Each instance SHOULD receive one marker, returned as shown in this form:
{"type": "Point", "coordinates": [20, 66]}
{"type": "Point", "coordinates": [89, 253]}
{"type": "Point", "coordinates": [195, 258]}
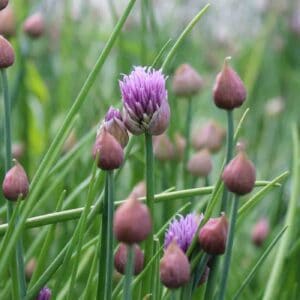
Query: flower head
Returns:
{"type": "Point", "coordinates": [145, 100]}
{"type": "Point", "coordinates": [44, 294]}
{"type": "Point", "coordinates": [182, 230]}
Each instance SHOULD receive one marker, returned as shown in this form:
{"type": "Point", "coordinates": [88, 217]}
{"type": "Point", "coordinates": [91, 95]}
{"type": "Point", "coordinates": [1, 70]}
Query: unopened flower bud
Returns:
{"type": "Point", "coordinates": [34, 25]}
{"type": "Point", "coordinates": [260, 232]}
{"type": "Point", "coordinates": [30, 267]}
{"type": "Point", "coordinates": [7, 22]}
{"type": "Point", "coordinates": [120, 259]}
{"type": "Point", "coordinates": [200, 164]}
{"type": "Point", "coordinates": [114, 124]}
{"type": "Point", "coordinates": [3, 4]}
{"type": "Point", "coordinates": [274, 107]}
{"type": "Point", "coordinates": [213, 235]}
{"type": "Point", "coordinates": [17, 150]}
{"type": "Point", "coordinates": [44, 294]}
{"type": "Point", "coordinates": [15, 183]}
{"type": "Point", "coordinates": [210, 136]}
{"type": "Point", "coordinates": [179, 145]}
{"type": "Point", "coordinates": [7, 54]}
{"type": "Point", "coordinates": [70, 142]}
{"type": "Point", "coordinates": [174, 267]}
{"type": "Point", "coordinates": [108, 151]}
{"type": "Point", "coordinates": [139, 190]}
{"type": "Point", "coordinates": [229, 91]}
{"type": "Point", "coordinates": [239, 175]}
{"type": "Point", "coordinates": [186, 82]}
{"type": "Point", "coordinates": [132, 221]}
{"type": "Point", "coordinates": [163, 148]}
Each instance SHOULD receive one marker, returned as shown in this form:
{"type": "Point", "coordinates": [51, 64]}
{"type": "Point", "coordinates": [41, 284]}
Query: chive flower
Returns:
{"type": "Point", "coordinates": [182, 230]}
{"type": "Point", "coordinates": [145, 101]}
{"type": "Point", "coordinates": [44, 294]}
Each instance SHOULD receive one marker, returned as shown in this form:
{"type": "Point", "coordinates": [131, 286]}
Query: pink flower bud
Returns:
{"type": "Point", "coordinates": [108, 150]}
{"type": "Point", "coordinates": [179, 144]}
{"type": "Point", "coordinates": [186, 82]}
{"type": "Point", "coordinates": [139, 190]}
{"type": "Point", "coordinates": [7, 54]}
{"type": "Point", "coordinates": [120, 259]}
{"type": "Point", "coordinates": [18, 150]}
{"type": "Point", "coordinates": [3, 4]}
{"type": "Point", "coordinates": [132, 221]}
{"type": "Point", "coordinates": [229, 91]}
{"type": "Point", "coordinates": [239, 175]}
{"type": "Point", "coordinates": [213, 235]}
{"type": "Point", "coordinates": [260, 232]}
{"type": "Point", "coordinates": [15, 183]}
{"type": "Point", "coordinates": [174, 267]}
{"type": "Point", "coordinates": [210, 136]}
{"type": "Point", "coordinates": [34, 25]}
{"type": "Point", "coordinates": [163, 148]}
{"type": "Point", "coordinates": [30, 268]}
{"type": "Point", "coordinates": [200, 164]}
{"type": "Point", "coordinates": [7, 22]}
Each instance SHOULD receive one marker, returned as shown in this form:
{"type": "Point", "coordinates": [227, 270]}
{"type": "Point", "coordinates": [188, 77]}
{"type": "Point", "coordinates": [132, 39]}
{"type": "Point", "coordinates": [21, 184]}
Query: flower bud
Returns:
{"type": "Point", "coordinates": [3, 4]}
{"type": "Point", "coordinates": [239, 175]}
{"type": "Point", "coordinates": [163, 148]}
{"type": "Point", "coordinates": [34, 25]}
{"type": "Point", "coordinates": [139, 190]}
{"type": "Point", "coordinates": [30, 267]}
{"type": "Point", "coordinates": [121, 259]}
{"type": "Point", "coordinates": [17, 150]}
{"type": "Point", "coordinates": [179, 145]}
{"type": "Point", "coordinates": [108, 150]}
{"type": "Point", "coordinates": [174, 267]}
{"type": "Point", "coordinates": [210, 136]}
{"type": "Point", "coordinates": [274, 107]}
{"type": "Point", "coordinates": [7, 54]}
{"type": "Point", "coordinates": [213, 235]}
{"type": "Point", "coordinates": [15, 183]}
{"type": "Point", "coordinates": [260, 232]}
{"type": "Point", "coordinates": [200, 164]}
{"type": "Point", "coordinates": [7, 22]}
{"type": "Point", "coordinates": [44, 294]}
{"type": "Point", "coordinates": [70, 142]}
{"type": "Point", "coordinates": [132, 221]}
{"type": "Point", "coordinates": [229, 91]}
{"type": "Point", "coordinates": [114, 124]}
{"type": "Point", "coordinates": [186, 82]}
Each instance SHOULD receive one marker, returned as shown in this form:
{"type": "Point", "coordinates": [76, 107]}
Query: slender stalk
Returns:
{"type": "Point", "coordinates": [143, 32]}
{"type": "Point", "coordinates": [110, 249]}
{"type": "Point", "coordinates": [187, 135]}
{"type": "Point", "coordinates": [229, 245]}
{"type": "Point", "coordinates": [101, 290]}
{"type": "Point", "coordinates": [150, 204]}
{"type": "Point", "coordinates": [128, 273]}
{"type": "Point", "coordinates": [173, 295]}
{"type": "Point", "coordinates": [17, 265]}
{"type": "Point", "coordinates": [230, 140]}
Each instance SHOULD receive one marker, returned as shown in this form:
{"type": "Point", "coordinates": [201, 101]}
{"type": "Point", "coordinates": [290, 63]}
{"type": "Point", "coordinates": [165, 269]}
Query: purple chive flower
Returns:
{"type": "Point", "coordinates": [182, 230]}
{"type": "Point", "coordinates": [44, 294]}
{"type": "Point", "coordinates": [145, 101]}
{"type": "Point", "coordinates": [113, 123]}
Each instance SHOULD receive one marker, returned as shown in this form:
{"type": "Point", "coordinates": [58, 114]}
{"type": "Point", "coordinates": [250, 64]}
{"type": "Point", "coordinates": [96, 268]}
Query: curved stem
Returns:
{"type": "Point", "coordinates": [226, 266]}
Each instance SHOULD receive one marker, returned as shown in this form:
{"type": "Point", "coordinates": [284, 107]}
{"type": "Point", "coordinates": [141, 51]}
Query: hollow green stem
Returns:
{"type": "Point", "coordinates": [128, 272]}
{"type": "Point", "coordinates": [230, 137]}
{"type": "Point", "coordinates": [229, 245]}
{"type": "Point", "coordinates": [187, 135]}
{"type": "Point", "coordinates": [150, 204]}
{"type": "Point", "coordinates": [17, 265]}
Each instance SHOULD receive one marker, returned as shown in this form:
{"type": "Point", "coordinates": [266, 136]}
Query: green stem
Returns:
{"type": "Point", "coordinates": [150, 204]}
{"type": "Point", "coordinates": [17, 265]}
{"type": "Point", "coordinates": [230, 140]}
{"type": "Point", "coordinates": [110, 248]}
{"type": "Point", "coordinates": [229, 245]}
{"type": "Point", "coordinates": [101, 290]}
{"type": "Point", "coordinates": [128, 273]}
{"type": "Point", "coordinates": [143, 31]}
{"type": "Point", "coordinates": [187, 135]}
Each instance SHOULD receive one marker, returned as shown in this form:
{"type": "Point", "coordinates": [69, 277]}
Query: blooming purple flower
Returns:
{"type": "Point", "coordinates": [44, 294]}
{"type": "Point", "coordinates": [145, 101]}
{"type": "Point", "coordinates": [113, 123]}
{"type": "Point", "coordinates": [182, 230]}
